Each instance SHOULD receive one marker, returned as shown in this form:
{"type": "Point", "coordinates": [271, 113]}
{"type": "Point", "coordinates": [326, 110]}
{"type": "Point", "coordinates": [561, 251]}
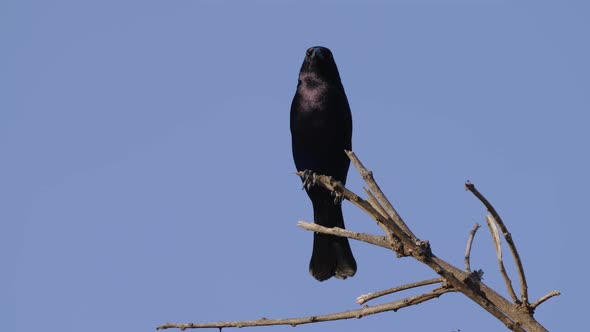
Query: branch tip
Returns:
{"type": "Point", "coordinates": [545, 298]}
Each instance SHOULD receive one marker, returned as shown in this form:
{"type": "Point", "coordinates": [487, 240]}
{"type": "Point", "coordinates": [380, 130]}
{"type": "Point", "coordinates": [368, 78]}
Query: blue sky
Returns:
{"type": "Point", "coordinates": [146, 170]}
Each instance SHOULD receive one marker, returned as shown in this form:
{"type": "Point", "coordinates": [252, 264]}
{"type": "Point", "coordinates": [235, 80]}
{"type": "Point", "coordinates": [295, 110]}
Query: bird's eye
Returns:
{"type": "Point", "coordinates": [309, 51]}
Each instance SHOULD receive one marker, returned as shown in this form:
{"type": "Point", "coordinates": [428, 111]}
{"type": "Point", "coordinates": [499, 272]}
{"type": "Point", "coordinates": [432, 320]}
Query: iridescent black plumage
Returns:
{"type": "Point", "coordinates": [321, 129]}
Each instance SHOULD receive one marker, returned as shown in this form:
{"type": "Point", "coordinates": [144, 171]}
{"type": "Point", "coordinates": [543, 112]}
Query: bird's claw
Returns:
{"type": "Point", "coordinates": [338, 198]}
{"type": "Point", "coordinates": [309, 179]}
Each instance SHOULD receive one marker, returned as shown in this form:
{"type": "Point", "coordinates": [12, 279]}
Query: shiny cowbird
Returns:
{"type": "Point", "coordinates": [321, 129]}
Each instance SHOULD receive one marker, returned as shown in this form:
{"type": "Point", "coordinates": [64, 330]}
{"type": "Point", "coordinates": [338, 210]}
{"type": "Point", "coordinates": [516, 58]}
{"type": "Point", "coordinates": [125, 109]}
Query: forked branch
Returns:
{"type": "Point", "coordinates": [523, 285]}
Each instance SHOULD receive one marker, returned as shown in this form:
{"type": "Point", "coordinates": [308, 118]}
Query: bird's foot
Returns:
{"type": "Point", "coordinates": [338, 198]}
{"type": "Point", "coordinates": [309, 179]}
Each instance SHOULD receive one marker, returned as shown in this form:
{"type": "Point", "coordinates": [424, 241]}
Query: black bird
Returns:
{"type": "Point", "coordinates": [321, 129]}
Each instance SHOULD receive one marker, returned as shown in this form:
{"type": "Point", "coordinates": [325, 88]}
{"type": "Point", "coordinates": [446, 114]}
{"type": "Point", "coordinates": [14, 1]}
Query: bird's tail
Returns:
{"type": "Point", "coordinates": [331, 254]}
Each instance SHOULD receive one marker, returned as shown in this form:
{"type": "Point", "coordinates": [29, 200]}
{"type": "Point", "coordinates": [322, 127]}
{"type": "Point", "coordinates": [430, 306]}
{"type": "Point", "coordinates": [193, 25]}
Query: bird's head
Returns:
{"type": "Point", "coordinates": [319, 60]}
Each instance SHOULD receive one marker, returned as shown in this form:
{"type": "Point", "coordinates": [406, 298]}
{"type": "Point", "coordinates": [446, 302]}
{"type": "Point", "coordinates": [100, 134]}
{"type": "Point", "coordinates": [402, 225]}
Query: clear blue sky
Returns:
{"type": "Point", "coordinates": [146, 172]}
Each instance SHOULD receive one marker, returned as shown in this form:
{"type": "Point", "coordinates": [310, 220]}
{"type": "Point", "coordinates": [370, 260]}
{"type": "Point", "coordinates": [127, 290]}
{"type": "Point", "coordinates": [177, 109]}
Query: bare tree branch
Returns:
{"type": "Point", "coordinates": [371, 296]}
{"type": "Point", "coordinates": [399, 238]}
{"type": "Point", "coordinates": [498, 245]}
{"type": "Point", "coordinates": [472, 287]}
{"type": "Point", "coordinates": [523, 284]}
{"type": "Point", "coordinates": [380, 241]}
{"type": "Point", "coordinates": [359, 313]}
{"type": "Point", "coordinates": [467, 283]}
{"type": "Point", "coordinates": [468, 248]}
{"type": "Point", "coordinates": [513, 317]}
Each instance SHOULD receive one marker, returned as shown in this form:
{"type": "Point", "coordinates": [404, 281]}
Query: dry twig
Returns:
{"type": "Point", "coordinates": [544, 298]}
{"type": "Point", "coordinates": [468, 248]}
{"type": "Point", "coordinates": [359, 313]}
{"type": "Point", "coordinates": [380, 241]}
{"type": "Point", "coordinates": [498, 246]}
{"type": "Point", "coordinates": [371, 296]}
